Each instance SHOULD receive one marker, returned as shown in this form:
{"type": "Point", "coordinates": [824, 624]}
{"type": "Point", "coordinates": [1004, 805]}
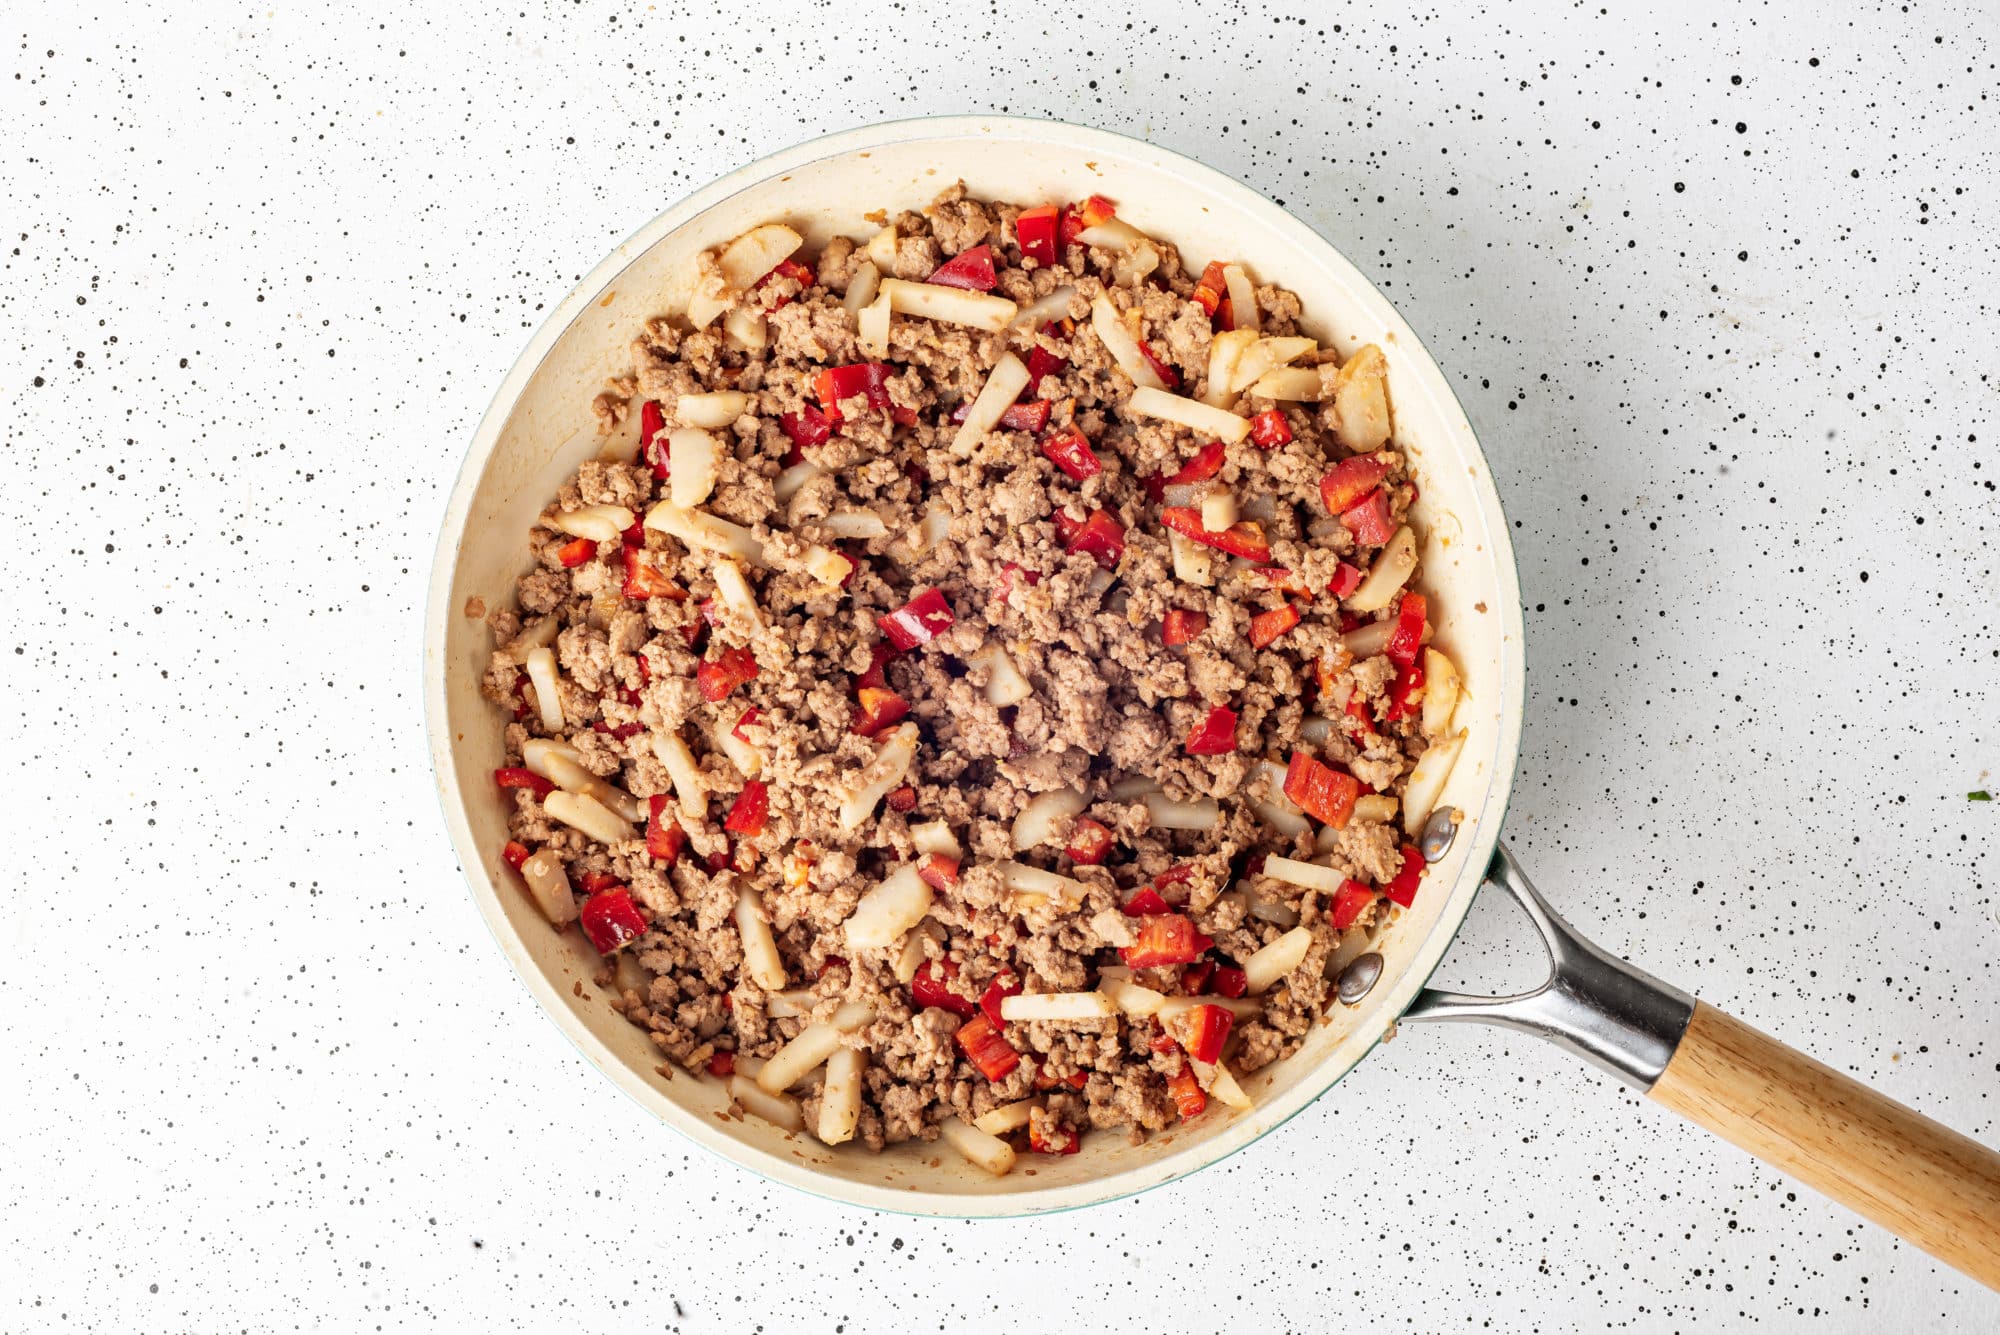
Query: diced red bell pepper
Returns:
{"type": "Point", "coordinates": [1046, 1135]}
{"type": "Point", "coordinates": [970, 269]}
{"type": "Point", "coordinates": [1167, 374]}
{"type": "Point", "coordinates": [1345, 580]}
{"type": "Point", "coordinates": [1368, 519]}
{"type": "Point", "coordinates": [1356, 710]}
{"type": "Point", "coordinates": [664, 837]}
{"type": "Point", "coordinates": [1284, 580]}
{"type": "Point", "coordinates": [1165, 938]}
{"type": "Point", "coordinates": [643, 579]}
{"type": "Point", "coordinates": [1402, 889]}
{"type": "Point", "coordinates": [1212, 289]}
{"type": "Point", "coordinates": [1406, 695]}
{"type": "Point", "coordinates": [1205, 464]}
{"type": "Point", "coordinates": [575, 553]}
{"type": "Point", "coordinates": [1070, 451]}
{"type": "Point", "coordinates": [1182, 627]}
{"type": "Point", "coordinates": [919, 621]}
{"type": "Point", "coordinates": [1202, 1031]}
{"type": "Point", "coordinates": [514, 854]}
{"type": "Point", "coordinates": [720, 675]}
{"type": "Point", "coordinates": [829, 964]}
{"type": "Point", "coordinates": [1069, 227]}
{"type": "Point", "coordinates": [869, 380]}
{"type": "Point", "coordinates": [1147, 904]}
{"type": "Point", "coordinates": [722, 1064]}
{"type": "Point", "coordinates": [1030, 416]}
{"type": "Point", "coordinates": [793, 270]}
{"type": "Point", "coordinates": [1270, 429]}
{"type": "Point", "coordinates": [594, 881]}
{"type": "Point", "coordinates": [1321, 791]}
{"type": "Point", "coordinates": [1003, 584]}
{"type": "Point", "coordinates": [718, 862]}
{"type": "Point", "coordinates": [1096, 211]}
{"type": "Point", "coordinates": [1161, 1041]}
{"type": "Point", "coordinates": [1099, 535]}
{"type": "Point", "coordinates": [984, 1046]}
{"type": "Point", "coordinates": [901, 799]}
{"type": "Point", "coordinates": [652, 423]}
{"type": "Point", "coordinates": [1003, 986]}
{"type": "Point", "coordinates": [1156, 487]}
{"type": "Point", "coordinates": [1195, 977]}
{"type": "Point", "coordinates": [1214, 735]}
{"type": "Point", "coordinates": [1407, 640]}
{"type": "Point", "coordinates": [807, 427]}
{"type": "Point", "coordinates": [1045, 1081]}
{"type": "Point", "coordinates": [515, 777]}
{"type": "Point", "coordinates": [1175, 875]}
{"type": "Point", "coordinates": [749, 718]}
{"type": "Point", "coordinates": [876, 675]}
{"type": "Point", "coordinates": [1351, 481]}
{"type": "Point", "coordinates": [1244, 538]}
{"type": "Point", "coordinates": [1041, 363]}
{"type": "Point", "coordinates": [1187, 1093]}
{"type": "Point", "coordinates": [623, 732]}
{"type": "Point", "coordinates": [1348, 903]}
{"type": "Point", "coordinates": [879, 709]}
{"type": "Point", "coordinates": [1089, 843]}
{"type": "Point", "coordinates": [1229, 982]}
{"type": "Point", "coordinates": [610, 919]}
{"type": "Point", "coordinates": [932, 987]}
{"type": "Point", "coordinates": [635, 533]}
{"type": "Point", "coordinates": [938, 870]}
{"type": "Point", "coordinates": [1266, 627]}
{"type": "Point", "coordinates": [751, 810]}
{"type": "Point", "coordinates": [1035, 229]}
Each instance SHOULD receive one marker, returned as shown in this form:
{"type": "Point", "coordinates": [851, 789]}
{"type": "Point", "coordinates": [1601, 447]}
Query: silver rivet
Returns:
{"type": "Point", "coordinates": [1359, 976]}
{"type": "Point", "coordinates": [1439, 831]}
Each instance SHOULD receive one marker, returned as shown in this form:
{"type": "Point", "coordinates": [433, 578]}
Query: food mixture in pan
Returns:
{"type": "Point", "coordinates": [979, 690]}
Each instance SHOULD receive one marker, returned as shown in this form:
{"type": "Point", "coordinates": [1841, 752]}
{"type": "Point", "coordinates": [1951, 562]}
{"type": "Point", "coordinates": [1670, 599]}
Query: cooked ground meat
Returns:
{"type": "Point", "coordinates": [734, 703]}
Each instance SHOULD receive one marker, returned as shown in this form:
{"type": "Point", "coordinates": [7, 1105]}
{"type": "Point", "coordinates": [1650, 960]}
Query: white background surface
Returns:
{"type": "Point", "coordinates": [263, 266]}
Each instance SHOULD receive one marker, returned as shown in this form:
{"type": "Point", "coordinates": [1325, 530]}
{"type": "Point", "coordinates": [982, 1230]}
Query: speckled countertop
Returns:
{"type": "Point", "coordinates": [1717, 288]}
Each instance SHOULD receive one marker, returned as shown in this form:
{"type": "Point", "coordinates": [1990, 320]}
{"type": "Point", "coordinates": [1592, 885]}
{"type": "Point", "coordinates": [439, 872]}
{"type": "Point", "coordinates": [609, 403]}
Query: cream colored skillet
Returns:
{"type": "Point", "coordinates": [1934, 1187]}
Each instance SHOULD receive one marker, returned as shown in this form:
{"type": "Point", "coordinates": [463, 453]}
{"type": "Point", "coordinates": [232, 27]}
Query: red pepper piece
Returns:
{"type": "Point", "coordinates": [1205, 464]}
{"type": "Point", "coordinates": [1003, 585]}
{"type": "Point", "coordinates": [1048, 1136]}
{"type": "Point", "coordinates": [1321, 791]}
{"type": "Point", "coordinates": [807, 427]}
{"type": "Point", "coordinates": [1266, 627]}
{"type": "Point", "coordinates": [1202, 1030]}
{"type": "Point", "coordinates": [1035, 229]}
{"type": "Point", "coordinates": [902, 799]}
{"type": "Point", "coordinates": [793, 270]}
{"type": "Point", "coordinates": [575, 553]}
{"type": "Point", "coordinates": [881, 652]}
{"type": "Point", "coordinates": [1244, 538]}
{"type": "Point", "coordinates": [515, 777]}
{"type": "Point", "coordinates": [1165, 938]}
{"type": "Point", "coordinates": [919, 621]}
{"type": "Point", "coordinates": [1041, 363]}
{"type": "Point", "coordinates": [634, 536]}
{"type": "Point", "coordinates": [1403, 888]}
{"type": "Point", "coordinates": [514, 854]}
{"type": "Point", "coordinates": [1187, 1093]}
{"type": "Point", "coordinates": [981, 1042]}
{"type": "Point", "coordinates": [1270, 429]}
{"type": "Point", "coordinates": [1406, 695]}
{"type": "Point", "coordinates": [1176, 875]}
{"type": "Point", "coordinates": [1407, 640]}
{"type": "Point", "coordinates": [622, 732]}
{"type": "Point", "coordinates": [1284, 581]}
{"type": "Point", "coordinates": [970, 269]}
{"type": "Point", "coordinates": [720, 675]}
{"type": "Point", "coordinates": [1070, 451]}
{"type": "Point", "coordinates": [664, 838]}
{"type": "Point", "coordinates": [722, 1065]}
{"type": "Point", "coordinates": [1368, 519]}
{"type": "Point", "coordinates": [1351, 481]}
{"type": "Point", "coordinates": [652, 424]}
{"type": "Point", "coordinates": [1212, 290]}
{"type": "Point", "coordinates": [1357, 711]}
{"type": "Point", "coordinates": [829, 964]}
{"type": "Point", "coordinates": [610, 919]}
{"type": "Point", "coordinates": [1214, 735]}
{"type": "Point", "coordinates": [1030, 416]}
{"type": "Point", "coordinates": [1182, 627]}
{"type": "Point", "coordinates": [932, 987]}
{"type": "Point", "coordinates": [1349, 902]}
{"type": "Point", "coordinates": [1003, 986]}
{"type": "Point", "coordinates": [1229, 982]}
{"type": "Point", "coordinates": [879, 709]}
{"type": "Point", "coordinates": [938, 871]}
{"type": "Point", "coordinates": [752, 809]}
{"type": "Point", "coordinates": [1089, 843]}
{"type": "Point", "coordinates": [1167, 374]}
{"type": "Point", "coordinates": [1069, 227]}
{"type": "Point", "coordinates": [1098, 535]}
{"type": "Point", "coordinates": [869, 380]}
{"type": "Point", "coordinates": [1195, 977]}
{"type": "Point", "coordinates": [749, 718]}
{"type": "Point", "coordinates": [1147, 904]}
{"type": "Point", "coordinates": [643, 579]}
{"type": "Point", "coordinates": [1045, 1081]}
{"type": "Point", "coordinates": [593, 881]}
{"type": "Point", "coordinates": [1096, 211]}
{"type": "Point", "coordinates": [1345, 580]}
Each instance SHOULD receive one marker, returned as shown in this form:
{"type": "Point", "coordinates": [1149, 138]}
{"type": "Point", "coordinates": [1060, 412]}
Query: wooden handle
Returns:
{"type": "Point", "coordinates": [1923, 1182]}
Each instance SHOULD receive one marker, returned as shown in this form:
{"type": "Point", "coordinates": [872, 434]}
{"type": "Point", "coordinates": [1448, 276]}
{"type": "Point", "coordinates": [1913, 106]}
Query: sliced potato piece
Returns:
{"type": "Point", "coordinates": [1289, 384]}
{"type": "Point", "coordinates": [1426, 784]}
{"type": "Point", "coordinates": [993, 1154]}
{"type": "Point", "coordinates": [588, 815]}
{"type": "Point", "coordinates": [760, 949]}
{"type": "Point", "coordinates": [1386, 578]}
{"type": "Point", "coordinates": [1201, 417]}
{"type": "Point", "coordinates": [1122, 344]}
{"type": "Point", "coordinates": [896, 904]}
{"type": "Point", "coordinates": [872, 326]}
{"type": "Point", "coordinates": [1225, 354]}
{"type": "Point", "coordinates": [891, 763]}
{"type": "Point", "coordinates": [1058, 1006]}
{"type": "Point", "coordinates": [746, 260]}
{"type": "Point", "coordinates": [861, 287]}
{"type": "Point", "coordinates": [599, 523]}
{"type": "Point", "coordinates": [695, 457]}
{"type": "Point", "coordinates": [707, 533]}
{"type": "Point", "coordinates": [1361, 401]}
{"type": "Point", "coordinates": [1242, 298]}
{"type": "Point", "coordinates": [548, 886]}
{"type": "Point", "coordinates": [1055, 306]}
{"type": "Point", "coordinates": [1311, 875]}
{"type": "Point", "coordinates": [780, 1110]}
{"type": "Point", "coordinates": [1267, 355]}
{"type": "Point", "coordinates": [840, 1096]}
{"type": "Point", "coordinates": [1040, 814]}
{"type": "Point", "coordinates": [1441, 690]}
{"type": "Point", "coordinates": [1129, 996]}
{"type": "Point", "coordinates": [1279, 958]}
{"type": "Point", "coordinates": [690, 789]}
{"type": "Point", "coordinates": [952, 305]}
{"type": "Point", "coordinates": [746, 328]}
{"type": "Point", "coordinates": [541, 668]}
{"type": "Point", "coordinates": [1007, 1117]}
{"type": "Point", "coordinates": [714, 410]}
{"type": "Point", "coordinates": [1004, 384]}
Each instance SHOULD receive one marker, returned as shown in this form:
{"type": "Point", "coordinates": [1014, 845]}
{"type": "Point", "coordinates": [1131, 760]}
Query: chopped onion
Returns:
{"type": "Point", "coordinates": [1326, 840]}
{"type": "Point", "coordinates": [1035, 887]}
{"type": "Point", "coordinates": [881, 249]}
{"type": "Point", "coordinates": [690, 789]}
{"type": "Point", "coordinates": [1292, 384]}
{"type": "Point", "coordinates": [780, 1110]}
{"type": "Point", "coordinates": [1442, 686]}
{"type": "Point", "coordinates": [1003, 385]}
{"type": "Point", "coordinates": [1426, 783]}
{"type": "Point", "coordinates": [1059, 1006]}
{"type": "Point", "coordinates": [861, 288]}
{"type": "Point", "coordinates": [952, 305]}
{"type": "Point", "coordinates": [548, 885]}
{"type": "Point", "coordinates": [1223, 1085]}
{"type": "Point", "coordinates": [734, 592]}
{"type": "Point", "coordinates": [749, 257]}
{"type": "Point", "coordinates": [896, 904]}
{"type": "Point", "coordinates": [1386, 578]}
{"type": "Point", "coordinates": [1200, 814]}
{"type": "Point", "coordinates": [706, 532]}
{"type": "Point", "coordinates": [1122, 345]}
{"type": "Point", "coordinates": [1192, 563]}
{"type": "Point", "coordinates": [1112, 234]}
{"type": "Point", "coordinates": [746, 328]}
{"type": "Point", "coordinates": [760, 949]}
{"type": "Point", "coordinates": [1200, 417]}
{"type": "Point", "coordinates": [862, 524]}
{"type": "Point", "coordinates": [1308, 874]}
{"type": "Point", "coordinates": [1279, 958]}
{"type": "Point", "coordinates": [872, 326]}
{"type": "Point", "coordinates": [717, 409]}
{"type": "Point", "coordinates": [541, 666]}
{"type": "Point", "coordinates": [1131, 268]}
{"type": "Point", "coordinates": [621, 443]}
{"type": "Point", "coordinates": [1316, 729]}
{"type": "Point", "coordinates": [1242, 298]}
{"type": "Point", "coordinates": [1369, 640]}
{"type": "Point", "coordinates": [993, 1154]}
{"type": "Point", "coordinates": [1133, 786]}
{"type": "Point", "coordinates": [696, 462]}
{"type": "Point", "coordinates": [588, 815]}
{"type": "Point", "coordinates": [1353, 942]}
{"type": "Point", "coordinates": [1267, 355]}
{"type": "Point", "coordinates": [1225, 353]}
{"type": "Point", "coordinates": [1004, 683]}
{"type": "Point", "coordinates": [1042, 813]}
{"type": "Point", "coordinates": [884, 772]}
{"type": "Point", "coordinates": [935, 837]}
{"type": "Point", "coordinates": [840, 1096]}
{"type": "Point", "coordinates": [1273, 911]}
{"type": "Point", "coordinates": [599, 523]}
{"type": "Point", "coordinates": [1007, 1117]}
{"type": "Point", "coordinates": [786, 485]}
{"type": "Point", "coordinates": [1374, 808]}
{"type": "Point", "coordinates": [540, 631]}
{"type": "Point", "coordinates": [1130, 997]}
{"type": "Point", "coordinates": [1055, 306]}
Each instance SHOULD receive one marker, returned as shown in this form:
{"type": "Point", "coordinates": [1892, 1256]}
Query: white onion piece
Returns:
{"type": "Point", "coordinates": [760, 949]}
{"type": "Point", "coordinates": [1192, 563]}
{"type": "Point", "coordinates": [872, 327]}
{"type": "Point", "coordinates": [1279, 958]}
{"type": "Point", "coordinates": [621, 443]}
{"type": "Point", "coordinates": [541, 666]}
{"type": "Point", "coordinates": [1317, 729]}
{"type": "Point", "coordinates": [933, 528]}
{"type": "Point", "coordinates": [780, 1110]}
{"type": "Point", "coordinates": [1007, 1117]}
{"type": "Point", "coordinates": [1218, 509]}
{"type": "Point", "coordinates": [1055, 306]}
{"type": "Point", "coordinates": [1223, 1085]}
{"type": "Point", "coordinates": [934, 837]}
{"type": "Point", "coordinates": [1003, 385]}
{"type": "Point", "coordinates": [1225, 353]}
{"type": "Point", "coordinates": [1112, 234]}
{"type": "Point", "coordinates": [991, 1153]}
{"type": "Point", "coordinates": [749, 761]}
{"type": "Point", "coordinates": [1036, 824]}
{"type": "Point", "coordinates": [861, 288]}
{"type": "Point", "coordinates": [881, 249]}
{"type": "Point", "coordinates": [1386, 578]}
{"type": "Point", "coordinates": [884, 772]}
{"type": "Point", "coordinates": [588, 815]}
{"type": "Point", "coordinates": [1308, 874]}
{"type": "Point", "coordinates": [1122, 344]}
{"type": "Point", "coordinates": [1129, 996]}
{"type": "Point", "coordinates": [1442, 685]}
{"type": "Point", "coordinates": [696, 459]}
{"type": "Point", "coordinates": [1133, 786]}
{"type": "Point", "coordinates": [1267, 355]}
{"type": "Point", "coordinates": [789, 1005]}
{"type": "Point", "coordinates": [1034, 887]}
{"type": "Point", "coordinates": [1291, 384]}
{"type": "Point", "coordinates": [749, 257]}
{"type": "Point", "coordinates": [1200, 814]}
{"type": "Point", "coordinates": [1273, 911]}
{"type": "Point", "coordinates": [599, 523]}
{"type": "Point", "coordinates": [734, 593]}
{"type": "Point", "coordinates": [1426, 783]}
{"type": "Point", "coordinates": [690, 789]}
{"type": "Point", "coordinates": [911, 957]}
{"type": "Point", "coordinates": [952, 305]}
{"type": "Point", "coordinates": [840, 1096]}
{"type": "Point", "coordinates": [717, 409]}
{"type": "Point", "coordinates": [1004, 683]}
{"type": "Point", "coordinates": [708, 533]}
{"type": "Point", "coordinates": [1242, 298]}
{"type": "Point", "coordinates": [540, 631]}
{"type": "Point", "coordinates": [1131, 268]}
{"type": "Point", "coordinates": [1058, 1006]}
{"type": "Point", "coordinates": [746, 328]}
{"type": "Point", "coordinates": [862, 524]}
{"type": "Point", "coordinates": [1374, 808]}
{"type": "Point", "coordinates": [1326, 840]}
{"type": "Point", "coordinates": [896, 904]}
{"type": "Point", "coordinates": [1288, 822]}
{"type": "Point", "coordinates": [1201, 417]}
{"type": "Point", "coordinates": [786, 485]}
{"type": "Point", "coordinates": [1367, 641]}
{"type": "Point", "coordinates": [548, 886]}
